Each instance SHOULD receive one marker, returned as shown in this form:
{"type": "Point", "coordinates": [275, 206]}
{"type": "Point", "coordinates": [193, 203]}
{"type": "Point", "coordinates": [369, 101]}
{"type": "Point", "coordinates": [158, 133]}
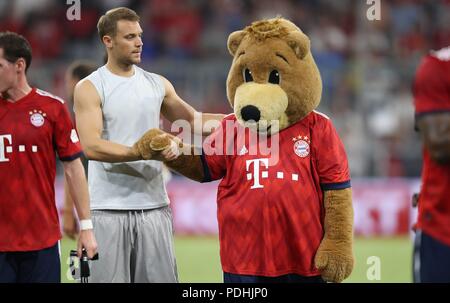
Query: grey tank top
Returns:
{"type": "Point", "coordinates": [130, 106]}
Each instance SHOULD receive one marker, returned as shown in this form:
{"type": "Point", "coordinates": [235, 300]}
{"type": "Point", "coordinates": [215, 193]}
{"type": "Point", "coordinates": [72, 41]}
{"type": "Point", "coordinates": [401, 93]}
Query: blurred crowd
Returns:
{"type": "Point", "coordinates": [367, 66]}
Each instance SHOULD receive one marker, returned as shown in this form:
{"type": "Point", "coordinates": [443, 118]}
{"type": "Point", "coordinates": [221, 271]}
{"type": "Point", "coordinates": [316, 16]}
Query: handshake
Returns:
{"type": "Point", "coordinates": [158, 145]}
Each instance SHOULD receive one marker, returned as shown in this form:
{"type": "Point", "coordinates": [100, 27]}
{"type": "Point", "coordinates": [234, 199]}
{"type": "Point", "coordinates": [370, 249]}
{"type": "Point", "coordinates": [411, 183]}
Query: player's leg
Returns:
{"type": "Point", "coordinates": [8, 267]}
{"type": "Point", "coordinates": [434, 264]}
{"type": "Point", "coordinates": [289, 278]}
{"type": "Point", "coordinates": [294, 278]}
{"type": "Point", "coordinates": [155, 257]}
{"type": "Point", "coordinates": [112, 231]}
{"type": "Point", "coordinates": [235, 278]}
{"type": "Point", "coordinates": [40, 266]}
{"type": "Point", "coordinates": [416, 256]}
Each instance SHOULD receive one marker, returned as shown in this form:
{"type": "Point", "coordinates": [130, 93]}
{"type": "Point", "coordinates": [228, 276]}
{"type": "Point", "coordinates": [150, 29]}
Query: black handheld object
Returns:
{"type": "Point", "coordinates": [415, 200]}
{"type": "Point", "coordinates": [84, 265]}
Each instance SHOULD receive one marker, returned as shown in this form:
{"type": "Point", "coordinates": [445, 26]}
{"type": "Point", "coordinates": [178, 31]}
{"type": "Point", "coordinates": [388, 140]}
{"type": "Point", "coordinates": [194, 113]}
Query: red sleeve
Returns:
{"type": "Point", "coordinates": [65, 136]}
{"type": "Point", "coordinates": [332, 164]}
{"type": "Point", "coordinates": [432, 86]}
{"type": "Point", "coordinates": [213, 155]}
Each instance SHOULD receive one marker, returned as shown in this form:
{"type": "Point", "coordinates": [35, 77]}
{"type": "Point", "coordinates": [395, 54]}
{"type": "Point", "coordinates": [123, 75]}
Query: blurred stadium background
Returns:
{"type": "Point", "coordinates": [367, 69]}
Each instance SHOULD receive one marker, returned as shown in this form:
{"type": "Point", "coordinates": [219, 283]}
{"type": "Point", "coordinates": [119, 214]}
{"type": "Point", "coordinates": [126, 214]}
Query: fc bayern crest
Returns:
{"type": "Point", "coordinates": [301, 148]}
{"type": "Point", "coordinates": [37, 118]}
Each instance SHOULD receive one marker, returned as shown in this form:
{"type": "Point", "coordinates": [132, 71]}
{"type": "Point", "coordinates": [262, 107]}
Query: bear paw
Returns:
{"type": "Point", "coordinates": [334, 260]}
{"type": "Point", "coordinates": [153, 142]}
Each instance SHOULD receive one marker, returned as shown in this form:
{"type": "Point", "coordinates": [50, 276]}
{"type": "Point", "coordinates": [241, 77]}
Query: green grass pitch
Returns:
{"type": "Point", "coordinates": [198, 259]}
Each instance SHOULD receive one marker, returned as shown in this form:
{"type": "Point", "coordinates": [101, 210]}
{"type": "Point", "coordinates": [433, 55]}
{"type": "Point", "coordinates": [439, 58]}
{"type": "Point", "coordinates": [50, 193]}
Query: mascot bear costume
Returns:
{"type": "Point", "coordinates": [284, 211]}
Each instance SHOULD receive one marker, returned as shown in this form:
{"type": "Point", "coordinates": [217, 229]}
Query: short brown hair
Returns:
{"type": "Point", "coordinates": [81, 69]}
{"type": "Point", "coordinates": [107, 24]}
{"type": "Point", "coordinates": [15, 47]}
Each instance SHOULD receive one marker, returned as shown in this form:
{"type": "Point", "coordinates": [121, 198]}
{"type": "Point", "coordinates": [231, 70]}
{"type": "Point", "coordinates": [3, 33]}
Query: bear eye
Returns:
{"type": "Point", "coordinates": [274, 77]}
{"type": "Point", "coordinates": [248, 75]}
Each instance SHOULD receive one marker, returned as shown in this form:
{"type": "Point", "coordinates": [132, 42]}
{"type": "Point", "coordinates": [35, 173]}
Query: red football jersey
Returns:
{"type": "Point", "coordinates": [270, 204]}
{"type": "Point", "coordinates": [432, 95]}
{"type": "Point", "coordinates": [32, 130]}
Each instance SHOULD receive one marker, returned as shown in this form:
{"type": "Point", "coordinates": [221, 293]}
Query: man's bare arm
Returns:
{"type": "Point", "coordinates": [435, 130]}
{"type": "Point", "coordinates": [174, 108]}
{"type": "Point", "coordinates": [89, 120]}
{"type": "Point", "coordinates": [77, 185]}
{"type": "Point", "coordinates": [70, 225]}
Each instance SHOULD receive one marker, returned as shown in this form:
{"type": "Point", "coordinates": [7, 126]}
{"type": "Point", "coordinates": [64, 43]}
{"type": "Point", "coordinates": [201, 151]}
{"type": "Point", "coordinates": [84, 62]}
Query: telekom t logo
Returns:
{"type": "Point", "coordinates": [255, 175]}
{"type": "Point", "coordinates": [9, 148]}
{"type": "Point", "coordinates": [2, 147]}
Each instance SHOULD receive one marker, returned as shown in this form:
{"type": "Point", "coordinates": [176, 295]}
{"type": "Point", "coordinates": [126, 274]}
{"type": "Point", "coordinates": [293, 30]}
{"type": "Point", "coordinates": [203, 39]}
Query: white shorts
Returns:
{"type": "Point", "coordinates": [134, 246]}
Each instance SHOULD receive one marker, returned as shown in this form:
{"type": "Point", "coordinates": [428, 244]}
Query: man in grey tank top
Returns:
{"type": "Point", "coordinates": [114, 107]}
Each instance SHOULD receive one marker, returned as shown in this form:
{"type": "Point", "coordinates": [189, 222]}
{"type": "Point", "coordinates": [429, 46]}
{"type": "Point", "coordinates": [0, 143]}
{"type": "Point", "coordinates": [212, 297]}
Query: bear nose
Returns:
{"type": "Point", "coordinates": [250, 112]}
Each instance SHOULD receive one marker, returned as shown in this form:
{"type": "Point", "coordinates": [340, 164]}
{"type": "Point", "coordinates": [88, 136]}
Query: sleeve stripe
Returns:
{"type": "Point", "coordinates": [427, 113]}
{"type": "Point", "coordinates": [72, 157]}
{"type": "Point", "coordinates": [47, 94]}
{"type": "Point", "coordinates": [431, 112]}
{"type": "Point", "coordinates": [338, 185]}
{"type": "Point", "coordinates": [206, 172]}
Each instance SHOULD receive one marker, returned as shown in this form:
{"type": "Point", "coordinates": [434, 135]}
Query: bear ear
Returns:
{"type": "Point", "coordinates": [234, 40]}
{"type": "Point", "coordinates": [299, 42]}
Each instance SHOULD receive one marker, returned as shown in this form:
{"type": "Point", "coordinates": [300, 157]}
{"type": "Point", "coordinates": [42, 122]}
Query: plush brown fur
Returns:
{"type": "Point", "coordinates": [153, 142]}
{"type": "Point", "coordinates": [334, 259]}
{"type": "Point", "coordinates": [188, 163]}
{"type": "Point", "coordinates": [259, 47]}
{"type": "Point", "coordinates": [276, 44]}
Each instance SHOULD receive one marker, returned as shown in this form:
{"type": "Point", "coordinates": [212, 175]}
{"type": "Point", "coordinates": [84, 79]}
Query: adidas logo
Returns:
{"type": "Point", "coordinates": [243, 151]}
